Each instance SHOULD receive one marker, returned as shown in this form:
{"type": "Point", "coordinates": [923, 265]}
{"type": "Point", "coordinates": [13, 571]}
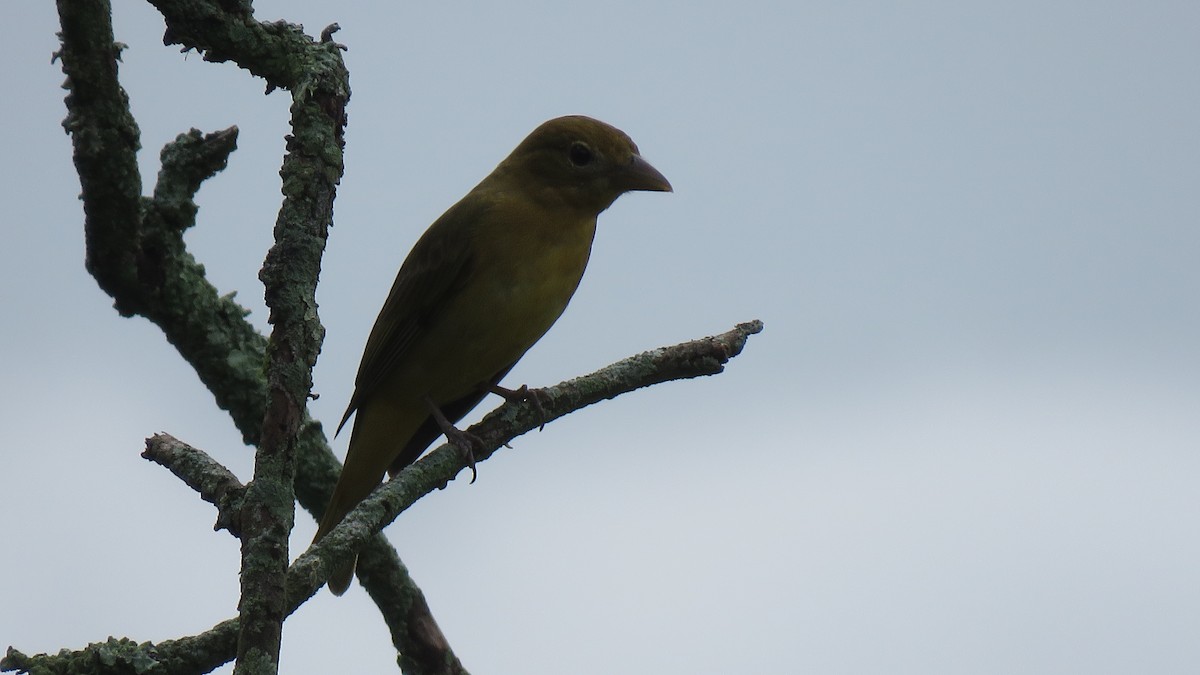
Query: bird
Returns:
{"type": "Point", "coordinates": [478, 289]}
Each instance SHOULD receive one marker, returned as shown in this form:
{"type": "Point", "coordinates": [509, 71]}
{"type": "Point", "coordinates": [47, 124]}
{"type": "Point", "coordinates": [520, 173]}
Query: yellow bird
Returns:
{"type": "Point", "coordinates": [483, 284]}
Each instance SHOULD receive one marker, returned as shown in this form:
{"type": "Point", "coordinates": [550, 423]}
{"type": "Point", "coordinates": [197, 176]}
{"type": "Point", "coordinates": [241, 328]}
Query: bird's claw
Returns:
{"type": "Point", "coordinates": [464, 441]}
{"type": "Point", "coordinates": [466, 444]}
{"type": "Point", "coordinates": [521, 394]}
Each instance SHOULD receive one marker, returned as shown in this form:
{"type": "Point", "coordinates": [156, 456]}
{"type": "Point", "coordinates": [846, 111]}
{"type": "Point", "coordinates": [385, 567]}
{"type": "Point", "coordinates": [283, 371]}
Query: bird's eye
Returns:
{"type": "Point", "coordinates": [580, 154]}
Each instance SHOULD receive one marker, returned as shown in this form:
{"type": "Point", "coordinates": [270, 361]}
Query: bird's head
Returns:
{"type": "Point", "coordinates": [580, 162]}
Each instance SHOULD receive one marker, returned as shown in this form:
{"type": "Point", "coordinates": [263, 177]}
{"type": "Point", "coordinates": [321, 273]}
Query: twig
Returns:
{"type": "Point", "coordinates": [216, 484]}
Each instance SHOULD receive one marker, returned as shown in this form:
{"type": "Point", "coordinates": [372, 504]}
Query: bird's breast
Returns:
{"type": "Point", "coordinates": [522, 277]}
{"type": "Point", "coordinates": [528, 274]}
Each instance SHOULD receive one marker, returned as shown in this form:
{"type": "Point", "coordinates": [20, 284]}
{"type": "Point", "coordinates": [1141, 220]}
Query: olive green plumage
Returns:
{"type": "Point", "coordinates": [484, 283]}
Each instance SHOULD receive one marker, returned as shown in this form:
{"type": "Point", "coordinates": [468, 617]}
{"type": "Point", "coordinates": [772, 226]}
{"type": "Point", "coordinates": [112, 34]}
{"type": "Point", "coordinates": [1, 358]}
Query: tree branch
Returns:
{"type": "Point", "coordinates": [216, 484]}
{"type": "Point", "coordinates": [106, 140]}
{"type": "Point", "coordinates": [311, 170]}
{"type": "Point", "coordinates": [706, 356]}
{"type": "Point", "coordinates": [697, 358]}
{"type": "Point", "coordinates": [135, 250]}
{"type": "Point", "coordinates": [279, 52]}
{"type": "Point", "coordinates": [413, 623]}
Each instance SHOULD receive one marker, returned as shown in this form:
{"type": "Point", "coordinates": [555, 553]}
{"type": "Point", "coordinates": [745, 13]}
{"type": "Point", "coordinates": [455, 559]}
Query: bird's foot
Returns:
{"type": "Point", "coordinates": [465, 442]}
{"type": "Point", "coordinates": [521, 394]}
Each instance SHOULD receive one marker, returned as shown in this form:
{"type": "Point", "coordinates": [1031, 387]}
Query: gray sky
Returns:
{"type": "Point", "coordinates": [966, 442]}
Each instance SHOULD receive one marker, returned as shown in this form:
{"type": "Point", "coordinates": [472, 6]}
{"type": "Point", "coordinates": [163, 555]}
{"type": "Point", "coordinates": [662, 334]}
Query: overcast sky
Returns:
{"type": "Point", "coordinates": [968, 440]}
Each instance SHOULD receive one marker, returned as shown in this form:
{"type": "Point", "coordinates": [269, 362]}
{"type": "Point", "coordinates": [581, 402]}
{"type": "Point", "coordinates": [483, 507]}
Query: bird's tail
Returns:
{"type": "Point", "coordinates": [349, 492]}
{"type": "Point", "coordinates": [378, 435]}
{"type": "Point", "coordinates": [341, 504]}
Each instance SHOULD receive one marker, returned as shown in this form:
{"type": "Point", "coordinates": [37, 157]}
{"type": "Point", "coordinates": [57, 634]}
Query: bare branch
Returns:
{"type": "Point", "coordinates": [697, 358]}
{"type": "Point", "coordinates": [216, 484]}
{"type": "Point", "coordinates": [312, 167]}
{"type": "Point", "coordinates": [135, 246]}
{"type": "Point", "coordinates": [187, 162]}
{"type": "Point", "coordinates": [426, 652]}
{"type": "Point", "coordinates": [276, 51]}
{"type": "Point", "coordinates": [106, 140]}
{"type": "Point", "coordinates": [137, 254]}
{"type": "Point", "coordinates": [412, 624]}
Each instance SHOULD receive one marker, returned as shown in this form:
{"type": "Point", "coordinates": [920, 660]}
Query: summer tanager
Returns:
{"type": "Point", "coordinates": [483, 284]}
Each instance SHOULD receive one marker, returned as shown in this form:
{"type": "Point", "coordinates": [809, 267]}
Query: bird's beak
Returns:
{"type": "Point", "coordinates": [639, 175]}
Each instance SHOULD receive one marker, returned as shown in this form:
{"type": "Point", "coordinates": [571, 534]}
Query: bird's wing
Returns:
{"type": "Point", "coordinates": [437, 268]}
